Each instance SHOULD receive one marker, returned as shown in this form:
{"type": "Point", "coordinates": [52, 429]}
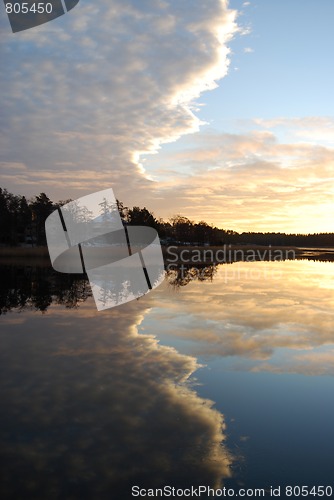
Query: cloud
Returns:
{"type": "Point", "coordinates": [248, 181]}
{"type": "Point", "coordinates": [311, 129]}
{"type": "Point", "coordinates": [85, 95]}
{"type": "Point", "coordinates": [103, 407]}
{"type": "Point", "coordinates": [88, 96]}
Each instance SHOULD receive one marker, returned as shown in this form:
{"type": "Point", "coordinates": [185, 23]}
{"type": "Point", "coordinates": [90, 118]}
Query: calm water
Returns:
{"type": "Point", "coordinates": [221, 379]}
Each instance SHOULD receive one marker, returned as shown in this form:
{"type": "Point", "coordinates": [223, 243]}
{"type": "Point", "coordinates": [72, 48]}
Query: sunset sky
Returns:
{"type": "Point", "coordinates": [236, 103]}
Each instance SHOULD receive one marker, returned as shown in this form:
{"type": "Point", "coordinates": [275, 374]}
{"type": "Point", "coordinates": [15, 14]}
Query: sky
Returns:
{"type": "Point", "coordinates": [219, 112]}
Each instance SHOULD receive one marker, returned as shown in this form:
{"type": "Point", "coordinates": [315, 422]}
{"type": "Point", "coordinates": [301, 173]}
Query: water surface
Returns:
{"type": "Point", "coordinates": [218, 377]}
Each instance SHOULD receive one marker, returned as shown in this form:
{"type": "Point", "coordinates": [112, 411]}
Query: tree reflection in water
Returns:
{"type": "Point", "coordinates": [38, 287]}
{"type": "Point", "coordinates": [181, 275]}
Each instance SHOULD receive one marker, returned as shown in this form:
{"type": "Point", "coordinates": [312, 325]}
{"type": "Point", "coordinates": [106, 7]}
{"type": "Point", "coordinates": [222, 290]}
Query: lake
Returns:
{"type": "Point", "coordinates": [220, 377]}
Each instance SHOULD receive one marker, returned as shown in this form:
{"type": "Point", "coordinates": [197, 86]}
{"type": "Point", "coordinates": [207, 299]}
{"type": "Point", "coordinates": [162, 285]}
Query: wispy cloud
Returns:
{"type": "Point", "coordinates": [250, 181]}
{"type": "Point", "coordinates": [313, 129]}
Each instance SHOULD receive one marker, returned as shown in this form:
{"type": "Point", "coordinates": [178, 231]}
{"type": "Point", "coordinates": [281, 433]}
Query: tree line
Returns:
{"type": "Point", "coordinates": [22, 221]}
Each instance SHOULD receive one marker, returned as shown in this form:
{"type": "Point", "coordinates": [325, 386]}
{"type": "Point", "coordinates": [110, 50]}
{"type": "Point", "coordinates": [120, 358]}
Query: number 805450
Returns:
{"type": "Point", "coordinates": [25, 8]}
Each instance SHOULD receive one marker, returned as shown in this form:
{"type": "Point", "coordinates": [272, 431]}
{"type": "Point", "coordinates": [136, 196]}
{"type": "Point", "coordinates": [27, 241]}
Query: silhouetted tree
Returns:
{"type": "Point", "coordinates": [41, 208]}
{"type": "Point", "coordinates": [182, 228]}
{"type": "Point", "coordinates": [142, 217]}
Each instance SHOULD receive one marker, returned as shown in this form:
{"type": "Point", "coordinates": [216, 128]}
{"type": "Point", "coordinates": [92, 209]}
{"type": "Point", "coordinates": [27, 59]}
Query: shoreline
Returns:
{"type": "Point", "coordinates": [192, 255]}
{"type": "Point", "coordinates": [242, 253]}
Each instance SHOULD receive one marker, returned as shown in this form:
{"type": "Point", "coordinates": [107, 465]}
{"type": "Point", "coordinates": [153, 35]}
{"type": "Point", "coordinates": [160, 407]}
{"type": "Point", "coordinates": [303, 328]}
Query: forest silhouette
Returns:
{"type": "Point", "coordinates": [22, 222]}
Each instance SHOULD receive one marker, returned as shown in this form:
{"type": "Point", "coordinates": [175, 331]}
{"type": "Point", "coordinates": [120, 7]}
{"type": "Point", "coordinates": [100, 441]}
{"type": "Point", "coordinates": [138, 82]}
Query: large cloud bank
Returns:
{"type": "Point", "coordinates": [86, 94]}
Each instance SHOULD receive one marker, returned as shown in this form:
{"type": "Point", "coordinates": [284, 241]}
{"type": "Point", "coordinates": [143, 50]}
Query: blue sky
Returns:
{"type": "Point", "coordinates": [290, 71]}
{"type": "Point", "coordinates": [280, 81]}
{"type": "Point", "coordinates": [86, 97]}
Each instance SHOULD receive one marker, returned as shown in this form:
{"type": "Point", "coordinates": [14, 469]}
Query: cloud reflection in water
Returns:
{"type": "Point", "coordinates": [92, 408]}
{"type": "Point", "coordinates": [257, 316]}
